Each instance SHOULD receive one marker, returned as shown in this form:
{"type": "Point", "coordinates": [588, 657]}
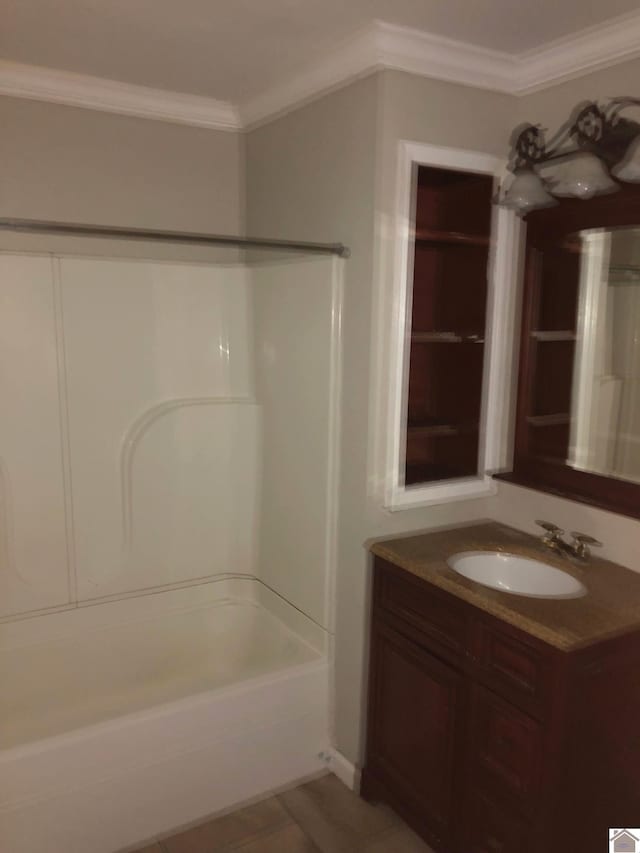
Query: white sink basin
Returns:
{"type": "Point", "coordinates": [516, 575]}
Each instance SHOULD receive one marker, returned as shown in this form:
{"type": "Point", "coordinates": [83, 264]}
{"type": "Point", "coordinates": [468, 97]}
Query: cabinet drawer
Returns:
{"type": "Point", "coordinates": [435, 614]}
{"type": "Point", "coordinates": [490, 829]}
{"type": "Point", "coordinates": [506, 747]}
{"type": "Point", "coordinates": [517, 670]}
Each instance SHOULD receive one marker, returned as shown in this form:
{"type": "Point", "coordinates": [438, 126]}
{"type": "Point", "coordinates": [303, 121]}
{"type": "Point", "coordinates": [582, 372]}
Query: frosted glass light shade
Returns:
{"type": "Point", "coordinates": [629, 168]}
{"type": "Point", "coordinates": [526, 192]}
{"type": "Point", "coordinates": [582, 176]}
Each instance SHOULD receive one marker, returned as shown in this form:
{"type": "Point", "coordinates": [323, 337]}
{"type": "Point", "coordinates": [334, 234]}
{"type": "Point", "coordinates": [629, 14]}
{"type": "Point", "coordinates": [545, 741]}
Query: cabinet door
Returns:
{"type": "Point", "coordinates": [506, 749]}
{"type": "Point", "coordinates": [415, 707]}
{"type": "Point", "coordinates": [487, 828]}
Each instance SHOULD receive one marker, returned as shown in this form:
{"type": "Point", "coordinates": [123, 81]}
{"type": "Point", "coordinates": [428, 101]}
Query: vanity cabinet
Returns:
{"type": "Point", "coordinates": [417, 716]}
{"type": "Point", "coordinates": [487, 739]}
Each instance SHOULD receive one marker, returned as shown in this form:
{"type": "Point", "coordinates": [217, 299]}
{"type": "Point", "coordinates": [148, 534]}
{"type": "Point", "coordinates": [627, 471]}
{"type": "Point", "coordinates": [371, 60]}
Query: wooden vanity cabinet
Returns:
{"type": "Point", "coordinates": [418, 713]}
{"type": "Point", "coordinates": [487, 740]}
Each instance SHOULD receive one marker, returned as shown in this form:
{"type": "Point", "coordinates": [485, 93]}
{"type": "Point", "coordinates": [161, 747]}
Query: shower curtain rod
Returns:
{"type": "Point", "coordinates": [35, 226]}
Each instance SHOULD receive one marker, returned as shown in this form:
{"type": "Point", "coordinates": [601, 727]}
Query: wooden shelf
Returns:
{"type": "Point", "coordinates": [446, 338]}
{"type": "Point", "coordinates": [440, 429]}
{"type": "Point", "coordinates": [459, 238]}
{"type": "Point", "coordinates": [543, 335]}
{"type": "Point", "coordinates": [624, 274]}
{"type": "Point", "coordinates": [429, 472]}
{"type": "Point", "coordinates": [556, 419]}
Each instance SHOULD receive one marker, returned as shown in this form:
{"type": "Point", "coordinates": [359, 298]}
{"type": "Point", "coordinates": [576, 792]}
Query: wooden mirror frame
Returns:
{"type": "Point", "coordinates": [569, 216]}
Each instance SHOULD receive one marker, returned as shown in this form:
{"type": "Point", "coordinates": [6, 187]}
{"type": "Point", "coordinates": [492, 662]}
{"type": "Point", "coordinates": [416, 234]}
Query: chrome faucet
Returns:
{"type": "Point", "coordinates": [578, 549]}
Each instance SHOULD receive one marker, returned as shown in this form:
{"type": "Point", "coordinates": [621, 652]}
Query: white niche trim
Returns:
{"type": "Point", "coordinates": [499, 374]}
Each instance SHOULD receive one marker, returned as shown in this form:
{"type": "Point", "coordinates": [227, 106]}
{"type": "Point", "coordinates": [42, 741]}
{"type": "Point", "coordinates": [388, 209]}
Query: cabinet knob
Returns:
{"type": "Point", "coordinates": [504, 741]}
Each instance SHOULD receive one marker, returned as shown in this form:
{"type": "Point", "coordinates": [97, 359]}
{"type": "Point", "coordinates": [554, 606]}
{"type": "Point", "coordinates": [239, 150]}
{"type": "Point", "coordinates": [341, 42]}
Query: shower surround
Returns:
{"type": "Point", "coordinates": [168, 477]}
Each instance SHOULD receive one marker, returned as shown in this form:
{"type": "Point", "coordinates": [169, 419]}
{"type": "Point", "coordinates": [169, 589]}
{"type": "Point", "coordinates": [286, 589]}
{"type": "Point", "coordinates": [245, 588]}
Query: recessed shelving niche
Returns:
{"type": "Point", "coordinates": [448, 318]}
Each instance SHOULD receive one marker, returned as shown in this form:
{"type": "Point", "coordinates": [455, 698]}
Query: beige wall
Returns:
{"type": "Point", "coordinates": [551, 107]}
{"type": "Point", "coordinates": [311, 175]}
{"type": "Point", "coordinates": [518, 506]}
{"type": "Point", "coordinates": [78, 165]}
{"type": "Point", "coordinates": [326, 172]}
{"type": "Point", "coordinates": [439, 113]}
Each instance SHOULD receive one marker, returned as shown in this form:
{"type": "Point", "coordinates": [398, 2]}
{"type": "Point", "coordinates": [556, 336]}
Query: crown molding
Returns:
{"type": "Point", "coordinates": [427, 55]}
{"type": "Point", "coordinates": [588, 50]}
{"type": "Point", "coordinates": [387, 46]}
{"type": "Point", "coordinates": [378, 46]}
{"type": "Point", "coordinates": [96, 93]}
{"type": "Point", "coordinates": [353, 58]}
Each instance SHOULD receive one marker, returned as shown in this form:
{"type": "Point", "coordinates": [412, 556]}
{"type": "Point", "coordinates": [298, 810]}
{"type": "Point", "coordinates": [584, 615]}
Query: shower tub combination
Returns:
{"type": "Point", "coordinates": [167, 541]}
{"type": "Point", "coordinates": [118, 724]}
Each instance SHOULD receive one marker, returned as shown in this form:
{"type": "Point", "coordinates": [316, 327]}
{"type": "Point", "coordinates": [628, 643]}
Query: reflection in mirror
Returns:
{"type": "Point", "coordinates": [586, 391]}
{"type": "Point", "coordinates": [605, 399]}
{"type": "Point", "coordinates": [578, 416]}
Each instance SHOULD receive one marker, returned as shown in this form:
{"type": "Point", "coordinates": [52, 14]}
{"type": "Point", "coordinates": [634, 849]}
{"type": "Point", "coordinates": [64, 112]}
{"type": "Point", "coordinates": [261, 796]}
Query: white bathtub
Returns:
{"type": "Point", "coordinates": [117, 724]}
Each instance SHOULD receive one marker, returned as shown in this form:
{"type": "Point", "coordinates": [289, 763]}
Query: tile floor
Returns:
{"type": "Point", "coordinates": [322, 816]}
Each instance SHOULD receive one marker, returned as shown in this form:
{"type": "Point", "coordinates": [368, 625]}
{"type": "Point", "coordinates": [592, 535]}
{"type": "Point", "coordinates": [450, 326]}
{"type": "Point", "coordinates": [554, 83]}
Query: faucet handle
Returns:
{"type": "Point", "coordinates": [582, 543]}
{"type": "Point", "coordinates": [552, 529]}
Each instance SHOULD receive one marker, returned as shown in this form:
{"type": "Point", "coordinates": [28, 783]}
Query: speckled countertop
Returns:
{"type": "Point", "coordinates": [610, 607]}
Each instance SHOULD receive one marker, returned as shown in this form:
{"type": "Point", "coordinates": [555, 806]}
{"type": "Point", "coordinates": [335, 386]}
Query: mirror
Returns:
{"type": "Point", "coordinates": [586, 396]}
{"type": "Point", "coordinates": [578, 417]}
{"type": "Point", "coordinates": [605, 395]}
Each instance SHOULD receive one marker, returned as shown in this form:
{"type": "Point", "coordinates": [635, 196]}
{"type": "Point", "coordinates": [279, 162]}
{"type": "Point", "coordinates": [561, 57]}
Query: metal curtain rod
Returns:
{"type": "Point", "coordinates": [35, 226]}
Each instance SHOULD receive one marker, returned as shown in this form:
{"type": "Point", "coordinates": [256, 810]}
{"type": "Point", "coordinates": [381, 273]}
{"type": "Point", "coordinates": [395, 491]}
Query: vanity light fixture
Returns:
{"type": "Point", "coordinates": [595, 146]}
{"type": "Point", "coordinates": [628, 169]}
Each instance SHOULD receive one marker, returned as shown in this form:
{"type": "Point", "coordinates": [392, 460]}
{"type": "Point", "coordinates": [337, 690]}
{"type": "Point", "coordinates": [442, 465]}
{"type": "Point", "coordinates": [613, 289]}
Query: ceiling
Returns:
{"type": "Point", "coordinates": [234, 50]}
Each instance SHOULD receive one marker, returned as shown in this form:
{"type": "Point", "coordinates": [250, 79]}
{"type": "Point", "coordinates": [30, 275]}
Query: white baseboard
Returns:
{"type": "Point", "coordinates": [343, 769]}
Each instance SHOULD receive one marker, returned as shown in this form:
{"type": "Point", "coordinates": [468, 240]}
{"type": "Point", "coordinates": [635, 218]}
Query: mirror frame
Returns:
{"type": "Point", "coordinates": [570, 215]}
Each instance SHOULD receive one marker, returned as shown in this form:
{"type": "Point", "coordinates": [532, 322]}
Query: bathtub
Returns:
{"type": "Point", "coordinates": [123, 721]}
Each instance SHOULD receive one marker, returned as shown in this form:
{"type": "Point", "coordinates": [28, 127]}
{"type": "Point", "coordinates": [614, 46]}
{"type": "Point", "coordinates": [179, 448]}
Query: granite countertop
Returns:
{"type": "Point", "coordinates": [610, 607]}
